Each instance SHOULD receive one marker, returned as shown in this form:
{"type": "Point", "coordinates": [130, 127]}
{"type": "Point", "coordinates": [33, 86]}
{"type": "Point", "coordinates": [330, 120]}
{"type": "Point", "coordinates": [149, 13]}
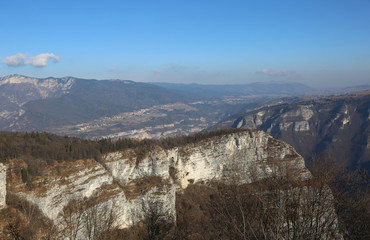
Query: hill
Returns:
{"type": "Point", "coordinates": [335, 126]}
{"type": "Point", "coordinates": [121, 108]}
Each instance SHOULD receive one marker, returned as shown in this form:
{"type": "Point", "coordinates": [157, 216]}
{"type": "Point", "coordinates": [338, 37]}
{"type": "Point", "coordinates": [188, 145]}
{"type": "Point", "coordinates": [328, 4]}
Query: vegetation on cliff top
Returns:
{"type": "Point", "coordinates": [39, 150]}
{"type": "Point", "coordinates": [52, 147]}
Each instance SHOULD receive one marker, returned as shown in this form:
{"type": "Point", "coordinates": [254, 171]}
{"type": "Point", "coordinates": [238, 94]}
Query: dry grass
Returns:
{"type": "Point", "coordinates": [141, 186]}
{"type": "Point", "coordinates": [107, 192]}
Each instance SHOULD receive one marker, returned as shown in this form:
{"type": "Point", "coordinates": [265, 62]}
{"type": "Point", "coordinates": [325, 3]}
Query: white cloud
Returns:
{"type": "Point", "coordinates": [40, 60]}
{"type": "Point", "coordinates": [16, 60]}
{"type": "Point", "coordinates": [275, 73]}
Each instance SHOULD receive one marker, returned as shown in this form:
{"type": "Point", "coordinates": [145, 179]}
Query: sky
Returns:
{"type": "Point", "coordinates": [321, 43]}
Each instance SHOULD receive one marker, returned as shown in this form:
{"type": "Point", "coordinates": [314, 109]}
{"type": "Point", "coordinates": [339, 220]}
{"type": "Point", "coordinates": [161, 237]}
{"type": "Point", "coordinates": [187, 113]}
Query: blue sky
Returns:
{"type": "Point", "coordinates": [321, 43]}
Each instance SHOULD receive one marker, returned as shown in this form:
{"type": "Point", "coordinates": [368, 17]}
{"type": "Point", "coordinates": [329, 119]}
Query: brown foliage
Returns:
{"type": "Point", "coordinates": [351, 196]}
{"type": "Point", "coordinates": [280, 207]}
{"type": "Point", "coordinates": [24, 220]}
{"type": "Point", "coordinates": [39, 150]}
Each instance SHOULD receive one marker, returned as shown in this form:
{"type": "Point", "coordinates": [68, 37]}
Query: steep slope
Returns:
{"type": "Point", "coordinates": [2, 186]}
{"type": "Point", "coordinates": [126, 182]}
{"type": "Point", "coordinates": [336, 126]}
{"type": "Point", "coordinates": [16, 91]}
{"type": "Point", "coordinates": [88, 100]}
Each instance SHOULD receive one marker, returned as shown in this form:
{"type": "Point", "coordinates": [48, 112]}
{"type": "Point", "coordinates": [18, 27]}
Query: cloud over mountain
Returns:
{"type": "Point", "coordinates": [40, 60]}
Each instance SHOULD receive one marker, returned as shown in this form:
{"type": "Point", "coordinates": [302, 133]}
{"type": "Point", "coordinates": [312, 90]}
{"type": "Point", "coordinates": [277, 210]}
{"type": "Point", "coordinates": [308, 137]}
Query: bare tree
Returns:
{"type": "Point", "coordinates": [157, 221]}
{"type": "Point", "coordinates": [281, 206]}
{"type": "Point", "coordinates": [24, 219]}
{"type": "Point", "coordinates": [99, 219]}
{"type": "Point", "coordinates": [351, 196]}
{"type": "Point", "coordinates": [72, 219]}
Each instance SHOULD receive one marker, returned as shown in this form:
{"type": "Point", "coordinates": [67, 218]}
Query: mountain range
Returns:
{"type": "Point", "coordinates": [122, 108]}
{"type": "Point", "coordinates": [216, 184]}
{"type": "Point", "coordinates": [333, 126]}
{"type": "Point", "coordinates": [315, 125]}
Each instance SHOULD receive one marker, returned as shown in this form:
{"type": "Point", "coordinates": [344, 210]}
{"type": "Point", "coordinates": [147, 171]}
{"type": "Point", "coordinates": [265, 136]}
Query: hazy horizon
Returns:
{"type": "Point", "coordinates": [320, 44]}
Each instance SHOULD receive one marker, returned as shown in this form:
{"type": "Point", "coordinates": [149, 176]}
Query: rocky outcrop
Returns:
{"type": "Point", "coordinates": [17, 90]}
{"type": "Point", "coordinates": [337, 126]}
{"type": "Point", "coordinates": [127, 184]}
{"type": "Point", "coordinates": [39, 88]}
{"type": "Point", "coordinates": [2, 185]}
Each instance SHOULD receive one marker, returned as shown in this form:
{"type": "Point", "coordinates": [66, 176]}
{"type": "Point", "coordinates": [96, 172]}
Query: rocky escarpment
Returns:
{"type": "Point", "coordinates": [17, 90]}
{"type": "Point", "coordinates": [127, 183]}
{"type": "Point", "coordinates": [38, 88]}
{"type": "Point", "coordinates": [247, 153]}
{"type": "Point", "coordinates": [337, 126]}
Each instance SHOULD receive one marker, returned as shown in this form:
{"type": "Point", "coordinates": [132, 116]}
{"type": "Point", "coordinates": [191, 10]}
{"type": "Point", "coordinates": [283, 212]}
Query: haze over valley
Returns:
{"type": "Point", "coordinates": [121, 108]}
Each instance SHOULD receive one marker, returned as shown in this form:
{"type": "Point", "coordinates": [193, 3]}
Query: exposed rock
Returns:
{"type": "Point", "coordinates": [127, 183]}
{"type": "Point", "coordinates": [312, 127]}
{"type": "Point", "coordinates": [301, 126]}
{"type": "Point", "coordinates": [2, 185]}
{"type": "Point", "coordinates": [37, 88]}
{"type": "Point", "coordinates": [77, 185]}
{"type": "Point", "coordinates": [207, 160]}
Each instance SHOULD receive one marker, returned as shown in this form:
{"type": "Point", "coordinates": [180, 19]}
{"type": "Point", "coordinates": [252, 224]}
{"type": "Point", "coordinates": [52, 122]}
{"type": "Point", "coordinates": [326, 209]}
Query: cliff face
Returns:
{"type": "Point", "coordinates": [2, 185]}
{"type": "Point", "coordinates": [16, 91]}
{"type": "Point", "coordinates": [37, 88]}
{"type": "Point", "coordinates": [246, 154]}
{"type": "Point", "coordinates": [337, 126]}
{"type": "Point", "coordinates": [127, 184]}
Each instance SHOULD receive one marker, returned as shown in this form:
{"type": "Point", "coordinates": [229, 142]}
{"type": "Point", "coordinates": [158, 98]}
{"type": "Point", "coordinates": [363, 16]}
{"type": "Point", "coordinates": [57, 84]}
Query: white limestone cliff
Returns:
{"type": "Point", "coordinates": [296, 119]}
{"type": "Point", "coordinates": [45, 87]}
{"type": "Point", "coordinates": [128, 184]}
{"type": "Point", "coordinates": [2, 185]}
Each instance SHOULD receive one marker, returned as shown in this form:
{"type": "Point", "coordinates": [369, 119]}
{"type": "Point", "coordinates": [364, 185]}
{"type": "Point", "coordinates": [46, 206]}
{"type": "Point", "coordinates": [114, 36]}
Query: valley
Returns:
{"type": "Point", "coordinates": [185, 120]}
{"type": "Point", "coordinates": [121, 108]}
{"type": "Point", "coordinates": [201, 149]}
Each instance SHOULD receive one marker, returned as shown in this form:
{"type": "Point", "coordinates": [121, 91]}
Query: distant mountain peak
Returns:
{"type": "Point", "coordinates": [18, 79]}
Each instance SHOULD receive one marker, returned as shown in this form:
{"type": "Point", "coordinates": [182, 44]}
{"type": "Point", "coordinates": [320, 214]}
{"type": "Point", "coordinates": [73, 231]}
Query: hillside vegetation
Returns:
{"type": "Point", "coordinates": [47, 148]}
{"type": "Point", "coordinates": [274, 208]}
